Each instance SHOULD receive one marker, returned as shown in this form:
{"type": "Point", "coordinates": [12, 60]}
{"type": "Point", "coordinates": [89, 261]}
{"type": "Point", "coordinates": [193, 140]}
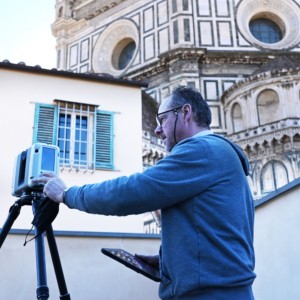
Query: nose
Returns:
{"type": "Point", "coordinates": [158, 130]}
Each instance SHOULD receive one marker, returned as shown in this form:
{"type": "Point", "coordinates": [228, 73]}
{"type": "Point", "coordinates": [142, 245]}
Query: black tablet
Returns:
{"type": "Point", "coordinates": [132, 262]}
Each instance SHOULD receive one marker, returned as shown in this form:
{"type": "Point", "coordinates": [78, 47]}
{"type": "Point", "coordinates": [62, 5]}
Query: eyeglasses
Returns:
{"type": "Point", "coordinates": [159, 121]}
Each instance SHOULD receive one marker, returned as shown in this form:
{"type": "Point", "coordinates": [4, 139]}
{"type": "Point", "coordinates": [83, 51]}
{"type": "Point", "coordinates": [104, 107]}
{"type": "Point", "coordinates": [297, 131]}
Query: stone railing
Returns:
{"type": "Point", "coordinates": [268, 132]}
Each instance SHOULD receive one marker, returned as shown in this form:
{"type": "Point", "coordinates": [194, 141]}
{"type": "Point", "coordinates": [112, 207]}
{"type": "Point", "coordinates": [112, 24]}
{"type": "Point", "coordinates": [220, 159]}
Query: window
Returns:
{"type": "Point", "coordinates": [60, 12]}
{"type": "Point", "coordinates": [237, 118]}
{"type": "Point", "coordinates": [265, 31]}
{"type": "Point", "coordinates": [268, 107]}
{"type": "Point", "coordinates": [174, 6]}
{"type": "Point", "coordinates": [123, 53]}
{"type": "Point", "coordinates": [175, 29]}
{"type": "Point", "coordinates": [126, 55]}
{"type": "Point", "coordinates": [274, 175]}
{"type": "Point", "coordinates": [268, 24]}
{"type": "Point", "coordinates": [185, 5]}
{"type": "Point", "coordinates": [186, 26]}
{"type": "Point", "coordinates": [82, 133]}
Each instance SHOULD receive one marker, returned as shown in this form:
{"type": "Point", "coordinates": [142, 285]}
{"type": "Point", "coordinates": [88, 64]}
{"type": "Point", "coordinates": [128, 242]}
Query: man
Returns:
{"type": "Point", "coordinates": [206, 205]}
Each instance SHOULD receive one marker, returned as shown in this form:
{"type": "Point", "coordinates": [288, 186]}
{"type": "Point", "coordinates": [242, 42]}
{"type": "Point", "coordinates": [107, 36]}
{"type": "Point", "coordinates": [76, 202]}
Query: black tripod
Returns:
{"type": "Point", "coordinates": [42, 291]}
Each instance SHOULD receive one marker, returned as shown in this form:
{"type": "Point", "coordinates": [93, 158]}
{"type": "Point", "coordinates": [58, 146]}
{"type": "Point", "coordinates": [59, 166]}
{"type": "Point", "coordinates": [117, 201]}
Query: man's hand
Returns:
{"type": "Point", "coordinates": [152, 260]}
{"type": "Point", "coordinates": [54, 186]}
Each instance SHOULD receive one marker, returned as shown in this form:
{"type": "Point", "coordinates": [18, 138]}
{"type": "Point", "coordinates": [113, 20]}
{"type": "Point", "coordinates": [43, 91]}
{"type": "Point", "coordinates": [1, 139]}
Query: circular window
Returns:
{"type": "Point", "coordinates": [265, 31]}
{"type": "Point", "coordinates": [268, 24]}
{"type": "Point", "coordinates": [116, 48]}
{"type": "Point", "coordinates": [123, 54]}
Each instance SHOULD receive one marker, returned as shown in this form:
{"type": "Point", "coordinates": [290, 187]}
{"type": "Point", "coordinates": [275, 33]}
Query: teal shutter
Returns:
{"type": "Point", "coordinates": [45, 124]}
{"type": "Point", "coordinates": [104, 140]}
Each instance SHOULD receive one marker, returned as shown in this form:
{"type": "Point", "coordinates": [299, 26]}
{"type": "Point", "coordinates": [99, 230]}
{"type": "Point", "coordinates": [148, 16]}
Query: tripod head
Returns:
{"type": "Point", "coordinates": [28, 196]}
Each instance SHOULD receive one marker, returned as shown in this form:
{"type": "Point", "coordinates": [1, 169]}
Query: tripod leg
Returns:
{"type": "Point", "coordinates": [12, 216]}
{"type": "Point", "coordinates": [14, 212]}
{"type": "Point", "coordinates": [42, 290]}
{"type": "Point", "coordinates": [57, 264]}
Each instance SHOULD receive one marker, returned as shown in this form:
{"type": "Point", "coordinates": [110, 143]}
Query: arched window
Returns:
{"type": "Point", "coordinates": [265, 31]}
{"type": "Point", "coordinates": [268, 107]}
{"type": "Point", "coordinates": [296, 140]}
{"type": "Point", "coordinates": [60, 12]}
{"type": "Point", "coordinates": [237, 118]}
{"type": "Point", "coordinates": [273, 176]}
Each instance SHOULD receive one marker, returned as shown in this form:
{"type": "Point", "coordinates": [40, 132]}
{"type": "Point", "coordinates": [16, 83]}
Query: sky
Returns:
{"type": "Point", "coordinates": [25, 32]}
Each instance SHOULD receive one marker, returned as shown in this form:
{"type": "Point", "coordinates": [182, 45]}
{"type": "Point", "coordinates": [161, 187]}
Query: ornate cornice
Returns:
{"type": "Point", "coordinates": [232, 57]}
{"type": "Point", "coordinates": [166, 60]}
{"type": "Point", "coordinates": [201, 56]}
{"type": "Point", "coordinates": [82, 8]}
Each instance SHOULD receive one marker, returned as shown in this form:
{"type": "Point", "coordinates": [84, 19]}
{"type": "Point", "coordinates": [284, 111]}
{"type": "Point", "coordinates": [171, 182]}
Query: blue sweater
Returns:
{"type": "Point", "coordinates": [207, 214]}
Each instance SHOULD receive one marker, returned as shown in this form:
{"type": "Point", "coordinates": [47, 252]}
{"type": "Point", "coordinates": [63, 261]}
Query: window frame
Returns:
{"type": "Point", "coordinates": [45, 130]}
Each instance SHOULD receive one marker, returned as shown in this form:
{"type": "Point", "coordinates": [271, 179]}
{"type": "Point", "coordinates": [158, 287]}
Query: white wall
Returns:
{"type": "Point", "coordinates": [88, 273]}
{"type": "Point", "coordinates": [91, 275]}
{"type": "Point", "coordinates": [19, 91]}
{"type": "Point", "coordinates": [277, 246]}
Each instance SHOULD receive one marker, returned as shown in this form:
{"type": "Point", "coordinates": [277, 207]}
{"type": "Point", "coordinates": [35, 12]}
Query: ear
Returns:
{"type": "Point", "coordinates": [187, 111]}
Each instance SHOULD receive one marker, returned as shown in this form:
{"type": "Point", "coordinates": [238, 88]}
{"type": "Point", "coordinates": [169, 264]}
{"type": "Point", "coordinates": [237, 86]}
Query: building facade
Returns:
{"type": "Point", "coordinates": [212, 45]}
{"type": "Point", "coordinates": [83, 115]}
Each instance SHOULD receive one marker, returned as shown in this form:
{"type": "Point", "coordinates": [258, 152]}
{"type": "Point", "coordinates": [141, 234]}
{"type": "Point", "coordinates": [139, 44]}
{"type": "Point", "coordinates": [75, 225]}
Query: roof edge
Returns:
{"type": "Point", "coordinates": [98, 234]}
{"type": "Point", "coordinates": [83, 76]}
{"type": "Point", "coordinates": [275, 194]}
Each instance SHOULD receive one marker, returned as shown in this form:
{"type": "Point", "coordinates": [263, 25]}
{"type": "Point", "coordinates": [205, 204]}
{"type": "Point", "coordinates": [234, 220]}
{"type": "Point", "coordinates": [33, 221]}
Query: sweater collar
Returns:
{"type": "Point", "coordinates": [202, 133]}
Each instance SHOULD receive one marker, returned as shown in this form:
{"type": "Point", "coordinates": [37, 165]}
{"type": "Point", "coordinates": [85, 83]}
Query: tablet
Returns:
{"type": "Point", "coordinates": [132, 262]}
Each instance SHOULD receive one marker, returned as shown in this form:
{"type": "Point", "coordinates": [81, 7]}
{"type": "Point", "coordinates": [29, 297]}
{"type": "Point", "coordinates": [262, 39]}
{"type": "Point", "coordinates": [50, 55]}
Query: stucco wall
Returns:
{"type": "Point", "coordinates": [19, 91]}
{"type": "Point", "coordinates": [88, 273]}
{"type": "Point", "coordinates": [277, 244]}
